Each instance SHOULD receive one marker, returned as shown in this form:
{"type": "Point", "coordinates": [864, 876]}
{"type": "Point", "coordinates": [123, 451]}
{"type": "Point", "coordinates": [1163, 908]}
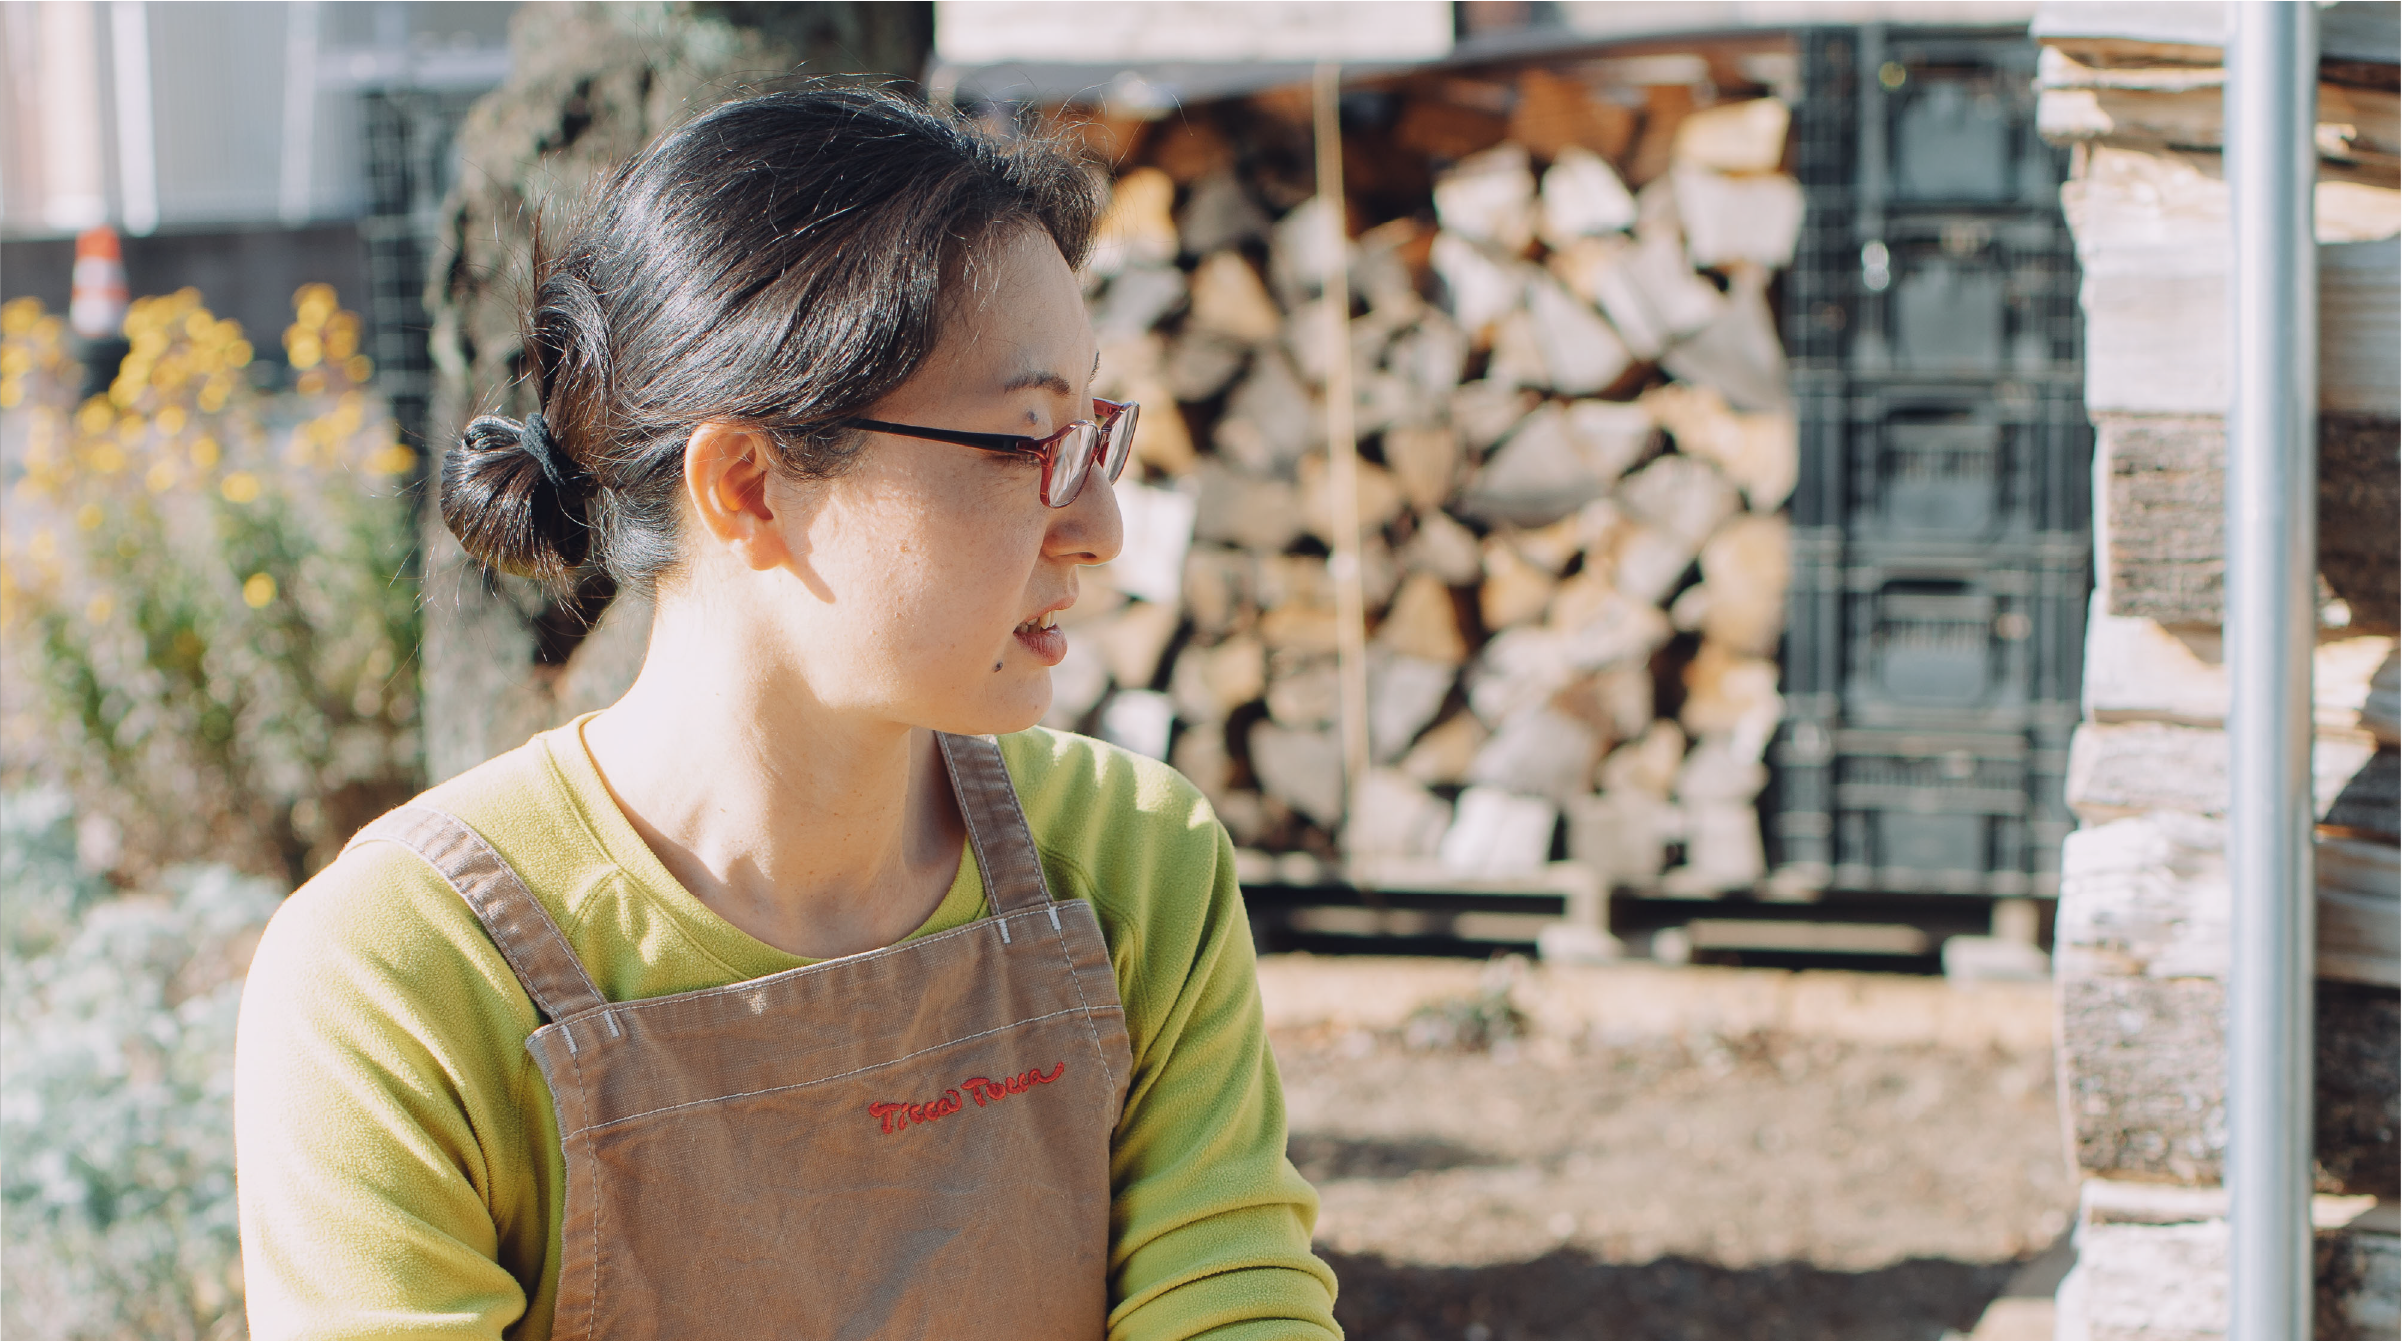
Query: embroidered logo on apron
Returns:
{"type": "Point", "coordinates": [983, 1089]}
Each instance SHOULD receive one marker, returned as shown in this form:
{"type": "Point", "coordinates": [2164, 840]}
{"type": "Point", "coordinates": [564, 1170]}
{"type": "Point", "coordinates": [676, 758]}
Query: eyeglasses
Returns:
{"type": "Point", "coordinates": [1067, 455]}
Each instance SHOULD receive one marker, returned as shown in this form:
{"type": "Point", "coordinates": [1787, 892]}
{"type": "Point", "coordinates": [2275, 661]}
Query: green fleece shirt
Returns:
{"type": "Point", "coordinates": [399, 1161]}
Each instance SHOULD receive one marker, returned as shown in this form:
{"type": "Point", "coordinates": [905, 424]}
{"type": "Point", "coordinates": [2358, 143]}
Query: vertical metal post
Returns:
{"type": "Point", "coordinates": [2272, 542]}
{"type": "Point", "coordinates": [1342, 446]}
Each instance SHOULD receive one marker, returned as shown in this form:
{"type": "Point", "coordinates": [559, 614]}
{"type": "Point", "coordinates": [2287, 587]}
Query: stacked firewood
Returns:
{"type": "Point", "coordinates": [1573, 442]}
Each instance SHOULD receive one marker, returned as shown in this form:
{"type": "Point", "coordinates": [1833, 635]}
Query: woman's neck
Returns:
{"type": "Point", "coordinates": [818, 833]}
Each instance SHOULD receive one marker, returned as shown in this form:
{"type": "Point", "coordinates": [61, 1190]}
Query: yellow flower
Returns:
{"type": "Point", "coordinates": [171, 420]}
{"type": "Point", "coordinates": [95, 416]}
{"type": "Point", "coordinates": [303, 348]}
{"type": "Point", "coordinates": [391, 459]}
{"type": "Point", "coordinates": [311, 383]}
{"type": "Point", "coordinates": [89, 516]}
{"type": "Point", "coordinates": [205, 453]}
{"type": "Point", "coordinates": [161, 477]}
{"type": "Point", "coordinates": [107, 458]}
{"type": "Point", "coordinates": [359, 367]}
{"type": "Point", "coordinates": [15, 361]}
{"type": "Point", "coordinates": [12, 394]}
{"type": "Point", "coordinates": [131, 427]}
{"type": "Point", "coordinates": [240, 487]}
{"type": "Point", "coordinates": [102, 606]}
{"type": "Point", "coordinates": [212, 397]}
{"type": "Point", "coordinates": [313, 304]}
{"type": "Point", "coordinates": [258, 590]}
{"type": "Point", "coordinates": [19, 315]}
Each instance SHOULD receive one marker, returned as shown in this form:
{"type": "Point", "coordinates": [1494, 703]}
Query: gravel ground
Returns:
{"type": "Point", "coordinates": [1768, 1186]}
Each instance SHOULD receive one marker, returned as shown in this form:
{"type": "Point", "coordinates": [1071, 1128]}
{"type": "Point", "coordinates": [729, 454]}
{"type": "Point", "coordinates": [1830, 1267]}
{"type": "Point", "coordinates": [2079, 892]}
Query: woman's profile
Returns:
{"type": "Point", "coordinates": [810, 989]}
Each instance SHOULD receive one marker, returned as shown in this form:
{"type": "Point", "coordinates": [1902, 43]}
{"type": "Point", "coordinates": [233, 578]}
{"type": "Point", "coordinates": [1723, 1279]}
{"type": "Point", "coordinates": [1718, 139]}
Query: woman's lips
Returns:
{"type": "Point", "coordinates": [1048, 645]}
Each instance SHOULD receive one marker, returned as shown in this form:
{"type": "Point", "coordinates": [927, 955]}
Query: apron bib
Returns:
{"type": "Point", "coordinates": [902, 1143]}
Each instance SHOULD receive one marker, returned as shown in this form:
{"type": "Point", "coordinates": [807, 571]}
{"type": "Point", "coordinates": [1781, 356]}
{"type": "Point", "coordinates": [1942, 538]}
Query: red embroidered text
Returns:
{"type": "Point", "coordinates": [983, 1089]}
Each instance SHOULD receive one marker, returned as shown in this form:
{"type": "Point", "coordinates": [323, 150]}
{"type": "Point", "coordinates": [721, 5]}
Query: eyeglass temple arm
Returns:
{"type": "Point", "coordinates": [991, 442]}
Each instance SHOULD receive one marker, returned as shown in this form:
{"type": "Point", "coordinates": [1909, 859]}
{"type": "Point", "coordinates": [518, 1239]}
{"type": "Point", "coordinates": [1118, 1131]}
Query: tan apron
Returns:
{"type": "Point", "coordinates": [905, 1143]}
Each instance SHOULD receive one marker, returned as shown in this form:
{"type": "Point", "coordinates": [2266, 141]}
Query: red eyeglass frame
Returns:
{"type": "Point", "coordinates": [1111, 430]}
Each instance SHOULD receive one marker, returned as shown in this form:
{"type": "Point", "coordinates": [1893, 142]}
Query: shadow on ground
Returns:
{"type": "Point", "coordinates": [1569, 1294]}
{"type": "Point", "coordinates": [1323, 1159]}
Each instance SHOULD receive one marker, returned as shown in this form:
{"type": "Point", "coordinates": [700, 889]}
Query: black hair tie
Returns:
{"type": "Point", "coordinates": [535, 437]}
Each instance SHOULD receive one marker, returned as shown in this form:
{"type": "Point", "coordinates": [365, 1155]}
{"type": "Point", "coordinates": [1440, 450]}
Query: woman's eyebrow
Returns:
{"type": "Point", "coordinates": [1048, 381]}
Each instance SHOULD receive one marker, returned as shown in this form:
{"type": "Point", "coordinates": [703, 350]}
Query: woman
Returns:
{"type": "Point", "coordinates": [779, 998]}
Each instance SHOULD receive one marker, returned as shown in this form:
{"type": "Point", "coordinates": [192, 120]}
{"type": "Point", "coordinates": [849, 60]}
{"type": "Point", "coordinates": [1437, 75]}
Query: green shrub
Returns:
{"type": "Point", "coordinates": [116, 1089]}
{"type": "Point", "coordinates": [207, 595]}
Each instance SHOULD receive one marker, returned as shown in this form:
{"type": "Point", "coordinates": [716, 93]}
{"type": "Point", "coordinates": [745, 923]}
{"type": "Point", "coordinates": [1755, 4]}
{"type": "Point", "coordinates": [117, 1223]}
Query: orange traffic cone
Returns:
{"type": "Point", "coordinates": [96, 309]}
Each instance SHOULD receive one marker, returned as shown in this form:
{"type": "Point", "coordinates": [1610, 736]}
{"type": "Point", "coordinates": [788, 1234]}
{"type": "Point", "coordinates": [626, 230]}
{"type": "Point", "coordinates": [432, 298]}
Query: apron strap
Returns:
{"type": "Point", "coordinates": [512, 916]}
{"type": "Point", "coordinates": [996, 825]}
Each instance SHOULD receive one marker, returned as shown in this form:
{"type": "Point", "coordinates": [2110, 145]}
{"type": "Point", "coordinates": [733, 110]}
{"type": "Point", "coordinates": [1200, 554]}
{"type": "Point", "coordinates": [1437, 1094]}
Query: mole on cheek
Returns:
{"type": "Point", "coordinates": [996, 667]}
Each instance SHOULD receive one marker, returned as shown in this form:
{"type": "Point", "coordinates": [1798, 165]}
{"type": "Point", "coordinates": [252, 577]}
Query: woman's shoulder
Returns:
{"type": "Point", "coordinates": [381, 929]}
{"type": "Point", "coordinates": [1076, 790]}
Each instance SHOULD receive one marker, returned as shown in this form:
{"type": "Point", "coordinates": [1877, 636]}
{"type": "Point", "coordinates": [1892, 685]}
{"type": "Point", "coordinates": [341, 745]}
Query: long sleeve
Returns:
{"type": "Point", "coordinates": [1211, 1223]}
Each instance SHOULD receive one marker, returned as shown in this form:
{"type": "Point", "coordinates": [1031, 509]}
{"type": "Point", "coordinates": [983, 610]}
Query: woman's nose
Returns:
{"type": "Point", "coordinates": [1089, 529]}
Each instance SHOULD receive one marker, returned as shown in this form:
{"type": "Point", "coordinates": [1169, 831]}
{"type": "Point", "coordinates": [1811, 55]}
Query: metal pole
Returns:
{"type": "Point", "coordinates": [1342, 445]}
{"type": "Point", "coordinates": [2272, 561]}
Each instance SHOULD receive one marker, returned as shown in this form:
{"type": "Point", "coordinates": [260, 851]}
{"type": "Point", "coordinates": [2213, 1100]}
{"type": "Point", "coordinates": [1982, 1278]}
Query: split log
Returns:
{"type": "Point", "coordinates": [1303, 691]}
{"type": "Point", "coordinates": [1514, 591]}
{"type": "Point", "coordinates": [1735, 137]}
{"type": "Point", "coordinates": [1141, 720]}
{"type": "Point", "coordinates": [1379, 496]}
{"type": "Point", "coordinates": [2146, 1066]}
{"type": "Point", "coordinates": [1197, 366]}
{"type": "Point", "coordinates": [1131, 641]}
{"type": "Point", "coordinates": [1738, 352]}
{"type": "Point", "coordinates": [1754, 220]}
{"type": "Point", "coordinates": [1582, 356]}
{"type": "Point", "coordinates": [1723, 851]}
{"type": "Point", "coordinates": [1490, 198]}
{"type": "Point", "coordinates": [1557, 116]}
{"type": "Point", "coordinates": [1219, 214]}
{"type": "Point", "coordinates": [1720, 771]}
{"type": "Point", "coordinates": [1483, 288]}
{"type": "Point", "coordinates": [1622, 836]}
{"type": "Point", "coordinates": [1648, 764]}
{"type": "Point", "coordinates": [1217, 589]}
{"type": "Point", "coordinates": [1682, 495]}
{"type": "Point", "coordinates": [1727, 694]}
{"type": "Point", "coordinates": [1229, 299]}
{"type": "Point", "coordinates": [1443, 754]}
{"type": "Point", "coordinates": [1556, 460]}
{"type": "Point", "coordinates": [2137, 669]}
{"type": "Point", "coordinates": [1429, 358]}
{"type": "Point", "coordinates": [1600, 627]}
{"type": "Point", "coordinates": [2120, 770]}
{"type": "Point", "coordinates": [1271, 417]}
{"type": "Point", "coordinates": [1498, 833]}
{"type": "Point", "coordinates": [1485, 412]}
{"type": "Point", "coordinates": [2152, 1266]}
{"type": "Point", "coordinates": [1745, 568]}
{"type": "Point", "coordinates": [1136, 300]}
{"type": "Point", "coordinates": [1395, 817]}
{"type": "Point", "coordinates": [1445, 550]}
{"type": "Point", "coordinates": [1646, 562]}
{"type": "Point", "coordinates": [1425, 463]}
{"type": "Point", "coordinates": [1538, 752]}
{"type": "Point", "coordinates": [1582, 197]}
{"type": "Point", "coordinates": [1302, 252]}
{"type": "Point", "coordinates": [1665, 107]}
{"type": "Point", "coordinates": [1404, 694]}
{"type": "Point", "coordinates": [1759, 453]}
{"type": "Point", "coordinates": [1200, 755]}
{"type": "Point", "coordinates": [1439, 129]}
{"type": "Point", "coordinates": [1077, 684]}
{"type": "Point", "coordinates": [1158, 530]}
{"type": "Point", "coordinates": [1616, 703]}
{"type": "Point", "coordinates": [1646, 288]}
{"type": "Point", "coordinates": [1303, 769]}
{"type": "Point", "coordinates": [1138, 229]}
{"type": "Point", "coordinates": [1261, 515]}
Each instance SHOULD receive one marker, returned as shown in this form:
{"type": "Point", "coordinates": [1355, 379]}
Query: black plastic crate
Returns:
{"type": "Point", "coordinates": [1944, 463]}
{"type": "Point", "coordinates": [1941, 295]}
{"type": "Point", "coordinates": [1812, 681]}
{"type": "Point", "coordinates": [1954, 639]}
{"type": "Point", "coordinates": [1946, 119]}
{"type": "Point", "coordinates": [1825, 130]}
{"type": "Point", "coordinates": [1909, 812]}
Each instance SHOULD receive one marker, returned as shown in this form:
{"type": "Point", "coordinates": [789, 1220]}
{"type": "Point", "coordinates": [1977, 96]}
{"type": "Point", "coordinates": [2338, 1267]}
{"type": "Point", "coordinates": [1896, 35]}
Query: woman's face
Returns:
{"type": "Point", "coordinates": [922, 579]}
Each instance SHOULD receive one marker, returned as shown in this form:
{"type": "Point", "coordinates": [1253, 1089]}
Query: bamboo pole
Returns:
{"type": "Point", "coordinates": [1342, 444]}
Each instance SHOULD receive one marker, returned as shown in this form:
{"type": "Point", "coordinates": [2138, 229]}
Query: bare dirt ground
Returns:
{"type": "Point", "coordinates": [1487, 1179]}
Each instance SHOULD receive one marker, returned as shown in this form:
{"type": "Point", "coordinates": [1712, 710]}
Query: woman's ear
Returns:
{"type": "Point", "coordinates": [727, 468]}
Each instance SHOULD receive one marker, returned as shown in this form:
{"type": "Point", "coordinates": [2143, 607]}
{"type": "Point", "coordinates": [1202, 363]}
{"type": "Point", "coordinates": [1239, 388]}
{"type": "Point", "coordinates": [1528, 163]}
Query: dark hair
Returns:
{"type": "Point", "coordinates": [780, 261]}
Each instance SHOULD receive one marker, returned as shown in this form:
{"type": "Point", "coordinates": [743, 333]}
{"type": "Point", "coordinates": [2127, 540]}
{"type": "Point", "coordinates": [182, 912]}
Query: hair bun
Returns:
{"type": "Point", "coordinates": [516, 499]}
